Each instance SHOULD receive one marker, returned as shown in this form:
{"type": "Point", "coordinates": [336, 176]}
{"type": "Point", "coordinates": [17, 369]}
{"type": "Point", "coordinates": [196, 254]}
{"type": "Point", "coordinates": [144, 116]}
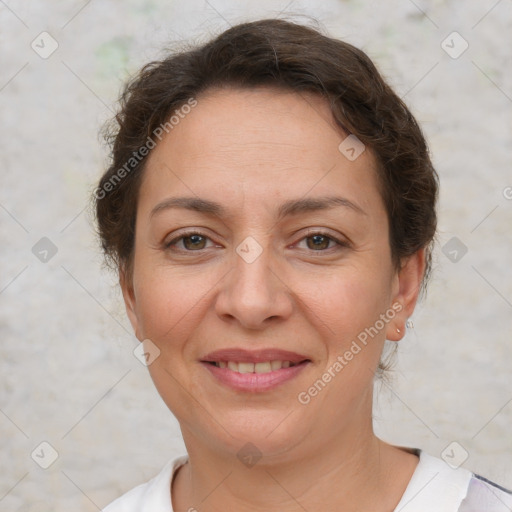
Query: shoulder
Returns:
{"type": "Point", "coordinates": [486, 495]}
{"type": "Point", "coordinates": [437, 485]}
{"type": "Point", "coordinates": [153, 495]}
{"type": "Point", "coordinates": [434, 486]}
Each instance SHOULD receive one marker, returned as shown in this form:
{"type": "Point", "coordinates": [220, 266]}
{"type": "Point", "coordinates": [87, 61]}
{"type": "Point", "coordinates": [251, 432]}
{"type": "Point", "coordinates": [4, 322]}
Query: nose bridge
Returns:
{"type": "Point", "coordinates": [253, 280]}
{"type": "Point", "coordinates": [253, 293]}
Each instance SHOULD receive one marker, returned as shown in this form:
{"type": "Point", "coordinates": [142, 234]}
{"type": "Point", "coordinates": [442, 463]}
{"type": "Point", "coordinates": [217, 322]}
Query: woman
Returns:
{"type": "Point", "coordinates": [270, 208]}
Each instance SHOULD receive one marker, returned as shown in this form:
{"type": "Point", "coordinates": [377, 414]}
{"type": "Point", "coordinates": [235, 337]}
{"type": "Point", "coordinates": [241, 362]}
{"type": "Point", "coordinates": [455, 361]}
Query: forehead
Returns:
{"type": "Point", "coordinates": [275, 119]}
{"type": "Point", "coordinates": [256, 142]}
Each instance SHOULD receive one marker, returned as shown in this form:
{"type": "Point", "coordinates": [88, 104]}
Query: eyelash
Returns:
{"type": "Point", "coordinates": [340, 244]}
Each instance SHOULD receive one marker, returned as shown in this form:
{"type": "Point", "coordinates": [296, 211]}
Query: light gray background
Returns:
{"type": "Point", "coordinates": [68, 373]}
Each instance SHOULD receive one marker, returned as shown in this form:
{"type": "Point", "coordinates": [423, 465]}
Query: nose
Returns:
{"type": "Point", "coordinates": [255, 293]}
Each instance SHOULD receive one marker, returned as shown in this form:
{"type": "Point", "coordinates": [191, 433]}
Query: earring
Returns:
{"type": "Point", "coordinates": [397, 330]}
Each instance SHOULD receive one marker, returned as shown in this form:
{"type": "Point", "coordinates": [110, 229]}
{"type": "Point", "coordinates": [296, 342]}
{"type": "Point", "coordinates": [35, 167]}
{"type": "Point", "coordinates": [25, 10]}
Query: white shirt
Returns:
{"type": "Point", "coordinates": [434, 486]}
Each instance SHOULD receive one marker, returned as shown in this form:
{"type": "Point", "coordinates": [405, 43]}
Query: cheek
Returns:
{"type": "Point", "coordinates": [345, 312]}
{"type": "Point", "coordinates": [349, 300]}
{"type": "Point", "coordinates": [169, 299]}
{"type": "Point", "coordinates": [171, 303]}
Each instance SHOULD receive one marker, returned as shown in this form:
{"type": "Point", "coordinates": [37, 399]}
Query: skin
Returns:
{"type": "Point", "coordinates": [251, 150]}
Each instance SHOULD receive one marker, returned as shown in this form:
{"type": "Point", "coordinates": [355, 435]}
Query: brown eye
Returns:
{"type": "Point", "coordinates": [190, 242]}
{"type": "Point", "coordinates": [319, 241]}
{"type": "Point", "coordinates": [194, 242]}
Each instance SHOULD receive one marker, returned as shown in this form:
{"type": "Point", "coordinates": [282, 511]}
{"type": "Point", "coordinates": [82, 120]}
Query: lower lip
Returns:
{"type": "Point", "coordinates": [255, 382]}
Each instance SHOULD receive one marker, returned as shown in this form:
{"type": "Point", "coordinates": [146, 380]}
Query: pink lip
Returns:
{"type": "Point", "coordinates": [255, 382]}
{"type": "Point", "coordinates": [241, 355]}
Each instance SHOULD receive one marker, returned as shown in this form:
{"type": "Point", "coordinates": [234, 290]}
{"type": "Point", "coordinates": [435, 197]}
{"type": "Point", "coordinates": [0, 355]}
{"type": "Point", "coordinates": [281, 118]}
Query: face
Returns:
{"type": "Point", "coordinates": [282, 244]}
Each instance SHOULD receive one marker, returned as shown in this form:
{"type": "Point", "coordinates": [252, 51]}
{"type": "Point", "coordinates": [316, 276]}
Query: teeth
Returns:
{"type": "Point", "coordinates": [245, 367]}
{"type": "Point", "coordinates": [263, 367]}
{"type": "Point", "coordinates": [276, 365]}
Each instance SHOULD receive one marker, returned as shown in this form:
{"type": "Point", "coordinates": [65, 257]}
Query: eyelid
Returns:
{"type": "Point", "coordinates": [184, 234]}
{"type": "Point", "coordinates": [339, 241]}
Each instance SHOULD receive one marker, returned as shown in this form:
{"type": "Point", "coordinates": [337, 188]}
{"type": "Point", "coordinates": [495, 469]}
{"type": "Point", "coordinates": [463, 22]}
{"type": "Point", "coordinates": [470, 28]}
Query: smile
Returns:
{"type": "Point", "coordinates": [253, 371]}
{"type": "Point", "coordinates": [254, 377]}
{"type": "Point", "coordinates": [262, 367]}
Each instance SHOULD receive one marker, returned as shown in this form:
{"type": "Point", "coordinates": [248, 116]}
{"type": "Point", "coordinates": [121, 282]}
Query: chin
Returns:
{"type": "Point", "coordinates": [268, 433]}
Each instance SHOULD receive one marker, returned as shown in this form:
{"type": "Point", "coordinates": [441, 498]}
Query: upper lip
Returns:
{"type": "Point", "coordinates": [241, 355]}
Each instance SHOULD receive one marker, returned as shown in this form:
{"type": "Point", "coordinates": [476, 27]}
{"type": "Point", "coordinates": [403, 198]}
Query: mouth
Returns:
{"type": "Point", "coordinates": [261, 367]}
{"type": "Point", "coordinates": [255, 371]}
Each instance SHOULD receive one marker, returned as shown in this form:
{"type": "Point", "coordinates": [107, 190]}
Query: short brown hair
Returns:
{"type": "Point", "coordinates": [277, 53]}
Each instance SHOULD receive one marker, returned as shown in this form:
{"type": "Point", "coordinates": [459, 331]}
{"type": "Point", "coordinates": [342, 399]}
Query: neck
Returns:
{"type": "Point", "coordinates": [352, 472]}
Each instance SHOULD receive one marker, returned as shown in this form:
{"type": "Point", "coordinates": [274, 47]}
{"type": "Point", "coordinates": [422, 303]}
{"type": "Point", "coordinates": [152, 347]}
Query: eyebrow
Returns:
{"type": "Point", "coordinates": [288, 208]}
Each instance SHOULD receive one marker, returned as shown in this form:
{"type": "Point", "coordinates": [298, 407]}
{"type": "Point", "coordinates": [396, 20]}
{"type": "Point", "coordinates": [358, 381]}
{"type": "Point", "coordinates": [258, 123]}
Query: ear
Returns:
{"type": "Point", "coordinates": [130, 302]}
{"type": "Point", "coordinates": [406, 288]}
